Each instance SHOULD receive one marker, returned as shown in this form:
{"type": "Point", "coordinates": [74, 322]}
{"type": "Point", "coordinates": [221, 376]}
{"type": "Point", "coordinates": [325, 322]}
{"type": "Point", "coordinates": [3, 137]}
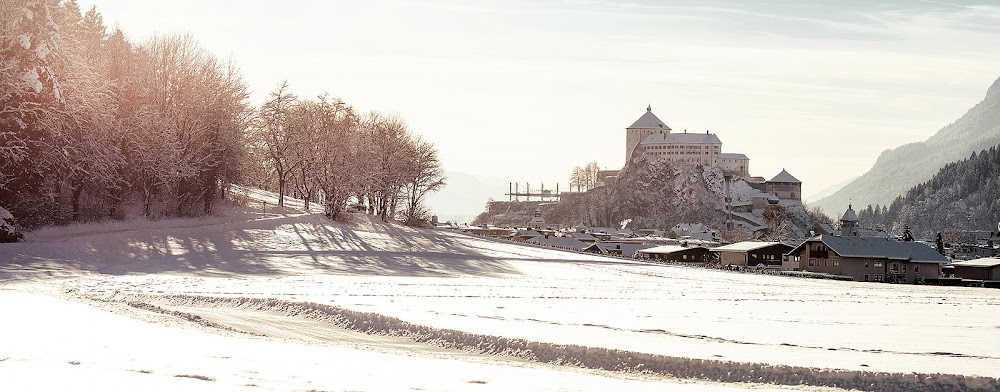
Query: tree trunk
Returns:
{"type": "Point", "coordinates": [77, 191]}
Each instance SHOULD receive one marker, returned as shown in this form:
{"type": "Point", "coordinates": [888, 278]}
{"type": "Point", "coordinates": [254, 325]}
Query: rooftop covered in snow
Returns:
{"type": "Point", "coordinates": [784, 176]}
{"type": "Point", "coordinates": [688, 138]}
{"type": "Point", "coordinates": [733, 155]}
{"type": "Point", "coordinates": [744, 246]}
{"type": "Point", "coordinates": [649, 121]}
{"type": "Point", "coordinates": [876, 248]}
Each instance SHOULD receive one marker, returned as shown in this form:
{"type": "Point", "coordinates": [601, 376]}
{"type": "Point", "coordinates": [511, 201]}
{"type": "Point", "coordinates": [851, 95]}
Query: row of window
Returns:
{"type": "Point", "coordinates": [672, 147]}
{"type": "Point", "coordinates": [823, 262]}
{"type": "Point", "coordinates": [894, 267]}
{"type": "Point", "coordinates": [679, 153]}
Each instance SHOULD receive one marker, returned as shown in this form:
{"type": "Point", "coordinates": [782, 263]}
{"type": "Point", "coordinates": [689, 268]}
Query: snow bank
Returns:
{"type": "Point", "coordinates": [582, 356]}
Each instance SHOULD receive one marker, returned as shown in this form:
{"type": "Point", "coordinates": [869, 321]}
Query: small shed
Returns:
{"type": "Point", "coordinates": [987, 268]}
{"type": "Point", "coordinates": [752, 253]}
{"type": "Point", "coordinates": [694, 254]}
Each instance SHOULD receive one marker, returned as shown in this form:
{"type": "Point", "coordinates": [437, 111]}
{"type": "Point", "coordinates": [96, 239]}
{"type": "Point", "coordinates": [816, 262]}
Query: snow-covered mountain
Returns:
{"type": "Point", "coordinates": [899, 169]}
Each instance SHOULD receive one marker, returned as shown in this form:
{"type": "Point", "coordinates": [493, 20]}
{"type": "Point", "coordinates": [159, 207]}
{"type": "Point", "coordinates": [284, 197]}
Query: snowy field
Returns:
{"type": "Point", "coordinates": [366, 305]}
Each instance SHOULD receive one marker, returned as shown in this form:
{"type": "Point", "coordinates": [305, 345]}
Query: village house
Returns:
{"type": "Point", "coordinates": [676, 253]}
{"type": "Point", "coordinates": [623, 249]}
{"type": "Point", "coordinates": [874, 259]}
{"type": "Point", "coordinates": [751, 253]}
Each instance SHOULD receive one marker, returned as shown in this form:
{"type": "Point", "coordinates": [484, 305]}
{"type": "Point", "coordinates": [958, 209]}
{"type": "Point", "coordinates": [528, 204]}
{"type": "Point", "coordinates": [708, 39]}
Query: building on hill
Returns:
{"type": "Point", "coordinates": [650, 135]}
{"type": "Point", "coordinates": [646, 125]}
{"type": "Point", "coordinates": [784, 186]}
{"type": "Point", "coordinates": [734, 163]}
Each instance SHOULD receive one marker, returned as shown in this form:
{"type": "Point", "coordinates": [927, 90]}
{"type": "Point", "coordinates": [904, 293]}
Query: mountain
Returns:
{"type": "Point", "coordinates": [828, 191]}
{"type": "Point", "coordinates": [899, 169]}
{"type": "Point", "coordinates": [464, 196]}
{"type": "Point", "coordinates": [961, 196]}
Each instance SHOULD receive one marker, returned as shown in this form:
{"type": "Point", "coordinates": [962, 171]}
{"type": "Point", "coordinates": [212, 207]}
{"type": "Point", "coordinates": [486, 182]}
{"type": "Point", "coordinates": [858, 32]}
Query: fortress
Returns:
{"type": "Point", "coordinates": [650, 135]}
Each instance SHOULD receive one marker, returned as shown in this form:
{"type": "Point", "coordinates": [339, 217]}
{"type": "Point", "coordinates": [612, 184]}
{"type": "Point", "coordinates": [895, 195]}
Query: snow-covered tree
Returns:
{"type": "Point", "coordinates": [276, 134]}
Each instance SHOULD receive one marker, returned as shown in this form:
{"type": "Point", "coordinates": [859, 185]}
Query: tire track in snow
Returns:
{"type": "Point", "coordinates": [256, 309]}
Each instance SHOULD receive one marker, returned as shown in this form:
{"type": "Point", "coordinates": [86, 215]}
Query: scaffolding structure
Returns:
{"type": "Point", "coordinates": [514, 192]}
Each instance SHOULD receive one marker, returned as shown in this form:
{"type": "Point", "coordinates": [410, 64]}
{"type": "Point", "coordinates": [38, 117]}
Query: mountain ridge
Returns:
{"type": "Point", "coordinates": [899, 169]}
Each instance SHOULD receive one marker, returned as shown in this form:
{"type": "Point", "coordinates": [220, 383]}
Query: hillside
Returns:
{"type": "Point", "coordinates": [899, 169]}
{"type": "Point", "coordinates": [962, 195]}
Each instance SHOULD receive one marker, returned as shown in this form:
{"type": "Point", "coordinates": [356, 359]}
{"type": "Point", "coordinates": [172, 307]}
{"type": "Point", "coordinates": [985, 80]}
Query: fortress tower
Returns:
{"type": "Point", "coordinates": [642, 128]}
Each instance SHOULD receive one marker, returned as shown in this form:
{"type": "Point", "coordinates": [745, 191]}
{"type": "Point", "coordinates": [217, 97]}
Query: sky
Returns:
{"type": "Point", "coordinates": [523, 91]}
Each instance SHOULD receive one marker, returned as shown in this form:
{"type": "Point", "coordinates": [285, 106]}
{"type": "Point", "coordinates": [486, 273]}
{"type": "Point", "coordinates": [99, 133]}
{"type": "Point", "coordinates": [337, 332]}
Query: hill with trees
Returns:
{"type": "Point", "coordinates": [653, 193]}
{"type": "Point", "coordinates": [899, 169]}
{"type": "Point", "coordinates": [962, 195]}
{"type": "Point", "coordinates": [93, 126]}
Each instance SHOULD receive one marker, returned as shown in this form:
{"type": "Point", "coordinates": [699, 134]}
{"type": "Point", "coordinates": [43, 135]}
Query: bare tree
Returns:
{"type": "Point", "coordinates": [425, 175]}
{"type": "Point", "coordinates": [275, 130]}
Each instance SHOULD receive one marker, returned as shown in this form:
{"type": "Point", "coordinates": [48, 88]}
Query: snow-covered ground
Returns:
{"type": "Point", "coordinates": [144, 302]}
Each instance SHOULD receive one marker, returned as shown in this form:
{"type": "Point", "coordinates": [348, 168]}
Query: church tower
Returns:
{"type": "Point", "coordinates": [646, 125]}
{"type": "Point", "coordinates": [849, 223]}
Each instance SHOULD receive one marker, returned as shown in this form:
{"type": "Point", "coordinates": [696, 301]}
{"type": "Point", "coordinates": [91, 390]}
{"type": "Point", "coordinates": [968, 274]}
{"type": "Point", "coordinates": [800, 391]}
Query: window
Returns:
{"type": "Point", "coordinates": [866, 277]}
{"type": "Point", "coordinates": [810, 262]}
{"type": "Point", "coordinates": [867, 264]}
{"type": "Point", "coordinates": [836, 263]}
{"type": "Point", "coordinates": [878, 278]}
{"type": "Point", "coordinates": [916, 268]}
{"type": "Point", "coordinates": [878, 264]}
{"type": "Point", "coordinates": [894, 267]}
{"type": "Point", "coordinates": [904, 268]}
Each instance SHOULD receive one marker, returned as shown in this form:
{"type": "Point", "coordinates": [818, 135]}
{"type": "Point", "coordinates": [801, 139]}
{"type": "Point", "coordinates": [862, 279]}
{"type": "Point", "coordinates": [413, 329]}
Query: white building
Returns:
{"type": "Point", "coordinates": [650, 135]}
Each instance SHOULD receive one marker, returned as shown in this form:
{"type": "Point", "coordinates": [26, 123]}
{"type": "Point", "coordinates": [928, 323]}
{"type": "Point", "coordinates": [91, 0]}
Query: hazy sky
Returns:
{"type": "Point", "coordinates": [526, 90]}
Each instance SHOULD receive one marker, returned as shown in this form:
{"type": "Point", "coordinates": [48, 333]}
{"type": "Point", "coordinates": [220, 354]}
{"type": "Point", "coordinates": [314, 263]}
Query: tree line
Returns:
{"type": "Point", "coordinates": [322, 151]}
{"type": "Point", "coordinates": [961, 196]}
{"type": "Point", "coordinates": [94, 126]}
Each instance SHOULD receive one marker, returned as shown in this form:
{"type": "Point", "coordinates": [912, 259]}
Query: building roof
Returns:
{"type": "Point", "coordinates": [689, 138]}
{"type": "Point", "coordinates": [985, 262]}
{"type": "Point", "coordinates": [528, 233]}
{"type": "Point", "coordinates": [668, 249]}
{"type": "Point", "coordinates": [649, 121]}
{"type": "Point", "coordinates": [627, 249]}
{"type": "Point", "coordinates": [785, 177]}
{"type": "Point", "coordinates": [562, 242]}
{"type": "Point", "coordinates": [732, 155]}
{"type": "Point", "coordinates": [745, 246]}
{"type": "Point", "coordinates": [849, 215]}
{"type": "Point", "coordinates": [879, 248]}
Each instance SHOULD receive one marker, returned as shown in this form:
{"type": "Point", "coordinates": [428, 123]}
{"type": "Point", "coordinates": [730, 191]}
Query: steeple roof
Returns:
{"type": "Point", "coordinates": [850, 215]}
{"type": "Point", "coordinates": [649, 121]}
{"type": "Point", "coordinates": [785, 177]}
